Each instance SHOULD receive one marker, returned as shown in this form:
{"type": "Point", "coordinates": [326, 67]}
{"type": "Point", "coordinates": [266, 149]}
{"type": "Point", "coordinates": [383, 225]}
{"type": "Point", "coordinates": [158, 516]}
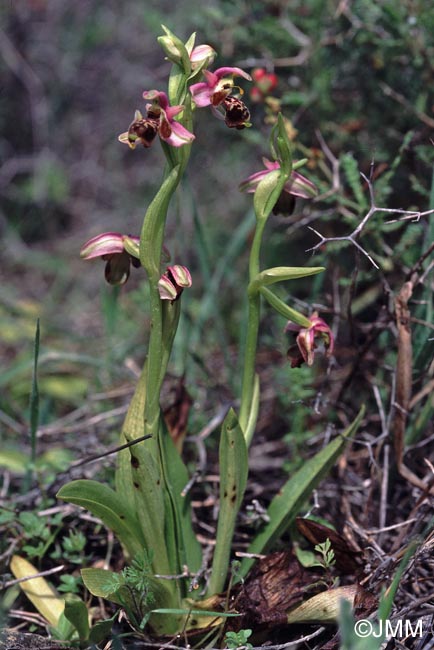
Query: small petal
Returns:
{"type": "Point", "coordinates": [180, 275]}
{"type": "Point", "coordinates": [166, 289]}
{"type": "Point", "coordinates": [299, 185]}
{"type": "Point", "coordinates": [175, 134]}
{"type": "Point", "coordinates": [236, 72]}
{"type": "Point", "coordinates": [125, 139]}
{"type": "Point", "coordinates": [157, 97]}
{"type": "Point", "coordinates": [108, 243]}
{"type": "Point", "coordinates": [201, 94]}
{"type": "Point", "coordinates": [132, 245]}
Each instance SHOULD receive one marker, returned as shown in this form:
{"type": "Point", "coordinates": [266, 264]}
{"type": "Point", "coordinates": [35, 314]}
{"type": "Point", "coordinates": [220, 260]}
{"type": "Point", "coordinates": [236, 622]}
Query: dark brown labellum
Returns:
{"type": "Point", "coordinates": [285, 204]}
{"type": "Point", "coordinates": [145, 129]}
{"type": "Point", "coordinates": [237, 113]}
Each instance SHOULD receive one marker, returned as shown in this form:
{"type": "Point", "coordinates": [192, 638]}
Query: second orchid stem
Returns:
{"type": "Point", "coordinates": [254, 307]}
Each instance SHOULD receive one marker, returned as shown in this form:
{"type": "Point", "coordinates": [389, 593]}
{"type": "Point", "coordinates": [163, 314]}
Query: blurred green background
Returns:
{"type": "Point", "coordinates": [356, 76]}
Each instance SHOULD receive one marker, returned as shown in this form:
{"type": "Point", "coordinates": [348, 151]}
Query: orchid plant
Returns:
{"type": "Point", "coordinates": [149, 510]}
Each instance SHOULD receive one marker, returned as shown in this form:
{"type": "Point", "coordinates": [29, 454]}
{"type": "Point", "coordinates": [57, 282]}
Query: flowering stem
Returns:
{"type": "Point", "coordinates": [254, 297]}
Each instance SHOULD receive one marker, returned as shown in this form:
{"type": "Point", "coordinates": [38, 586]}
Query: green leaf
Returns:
{"type": "Point", "coordinates": [101, 630]}
{"type": "Point", "coordinates": [100, 583]}
{"type": "Point", "coordinates": [281, 273]}
{"type": "Point", "coordinates": [287, 503]}
{"type": "Point", "coordinates": [187, 547]}
{"type": "Point", "coordinates": [77, 614]}
{"type": "Point", "coordinates": [103, 502]}
{"type": "Point", "coordinates": [233, 478]}
{"type": "Point", "coordinates": [149, 494]}
{"type": "Point", "coordinates": [133, 428]}
{"type": "Point", "coordinates": [194, 612]}
{"type": "Point", "coordinates": [34, 395]}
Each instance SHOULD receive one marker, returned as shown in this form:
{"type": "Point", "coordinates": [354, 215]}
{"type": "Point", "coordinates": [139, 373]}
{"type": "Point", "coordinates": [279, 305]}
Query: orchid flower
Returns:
{"type": "Point", "coordinates": [296, 185]}
{"type": "Point", "coordinates": [119, 251]}
{"type": "Point", "coordinates": [305, 341]}
{"type": "Point", "coordinates": [159, 119]}
{"type": "Point", "coordinates": [217, 87]}
{"type": "Point", "coordinates": [169, 130]}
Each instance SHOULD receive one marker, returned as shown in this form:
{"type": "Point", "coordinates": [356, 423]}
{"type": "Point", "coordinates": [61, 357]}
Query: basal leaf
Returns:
{"type": "Point", "coordinates": [286, 504]}
{"type": "Point", "coordinates": [77, 614]}
{"type": "Point", "coordinates": [103, 502]}
{"type": "Point", "coordinates": [233, 478]}
{"type": "Point", "coordinates": [38, 591]}
{"type": "Point", "coordinates": [176, 478]}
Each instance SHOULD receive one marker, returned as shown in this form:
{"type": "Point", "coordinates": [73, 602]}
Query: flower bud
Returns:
{"type": "Point", "coordinates": [175, 50]}
{"type": "Point", "coordinates": [202, 56]}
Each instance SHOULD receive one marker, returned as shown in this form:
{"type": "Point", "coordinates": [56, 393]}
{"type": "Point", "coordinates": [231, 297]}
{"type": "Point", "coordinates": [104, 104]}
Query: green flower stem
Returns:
{"type": "Point", "coordinates": [254, 297]}
{"type": "Point", "coordinates": [151, 242]}
{"type": "Point", "coordinates": [164, 318]}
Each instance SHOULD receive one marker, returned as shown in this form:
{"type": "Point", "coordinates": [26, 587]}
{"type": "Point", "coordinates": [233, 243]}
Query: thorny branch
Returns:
{"type": "Point", "coordinates": [352, 237]}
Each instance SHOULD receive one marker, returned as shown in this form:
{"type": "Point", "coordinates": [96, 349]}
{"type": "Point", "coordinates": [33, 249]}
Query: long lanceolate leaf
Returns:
{"type": "Point", "coordinates": [287, 503]}
{"type": "Point", "coordinates": [132, 429]}
{"type": "Point", "coordinates": [186, 548]}
{"type": "Point", "coordinates": [233, 478]}
{"type": "Point", "coordinates": [103, 502]}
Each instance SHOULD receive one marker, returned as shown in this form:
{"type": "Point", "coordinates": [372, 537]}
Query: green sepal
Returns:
{"type": "Point", "coordinates": [131, 247]}
{"type": "Point", "coordinates": [284, 152]}
{"type": "Point", "coordinates": [233, 478]}
{"type": "Point", "coordinates": [299, 163]}
{"type": "Point", "coordinates": [267, 193]}
{"type": "Point", "coordinates": [283, 309]}
{"type": "Point", "coordinates": [286, 504]}
{"type": "Point", "coordinates": [281, 273]}
{"type": "Point", "coordinates": [189, 44]}
{"type": "Point", "coordinates": [103, 502]}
